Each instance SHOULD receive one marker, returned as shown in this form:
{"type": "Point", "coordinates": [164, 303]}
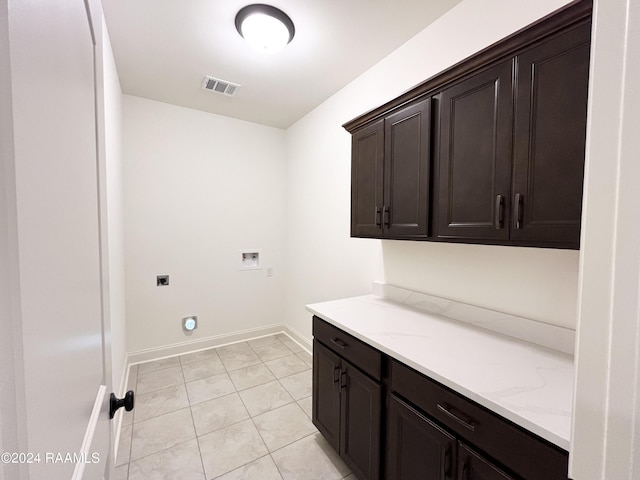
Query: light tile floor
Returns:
{"type": "Point", "coordinates": [237, 412]}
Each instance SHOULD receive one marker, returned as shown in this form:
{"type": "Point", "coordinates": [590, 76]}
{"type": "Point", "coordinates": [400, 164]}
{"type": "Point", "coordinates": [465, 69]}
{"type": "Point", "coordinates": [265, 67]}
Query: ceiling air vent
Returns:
{"type": "Point", "coordinates": [220, 86]}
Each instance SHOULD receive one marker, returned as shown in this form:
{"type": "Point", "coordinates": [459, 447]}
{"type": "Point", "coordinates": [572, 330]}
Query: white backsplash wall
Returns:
{"type": "Point", "coordinates": [324, 263]}
{"type": "Point", "coordinates": [198, 188]}
{"type": "Point", "coordinates": [537, 283]}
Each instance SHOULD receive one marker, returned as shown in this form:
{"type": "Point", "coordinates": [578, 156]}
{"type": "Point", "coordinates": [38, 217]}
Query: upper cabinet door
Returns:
{"type": "Point", "coordinates": [474, 164]}
{"type": "Point", "coordinates": [367, 177]}
{"type": "Point", "coordinates": [407, 161]}
{"type": "Point", "coordinates": [550, 129]}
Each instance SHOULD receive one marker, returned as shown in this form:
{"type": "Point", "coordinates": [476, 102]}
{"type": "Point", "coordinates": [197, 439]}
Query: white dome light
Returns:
{"type": "Point", "coordinates": [265, 28]}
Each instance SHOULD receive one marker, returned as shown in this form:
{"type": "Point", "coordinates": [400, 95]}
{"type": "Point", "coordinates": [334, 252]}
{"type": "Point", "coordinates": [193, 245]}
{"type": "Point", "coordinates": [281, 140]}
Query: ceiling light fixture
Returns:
{"type": "Point", "coordinates": [266, 29]}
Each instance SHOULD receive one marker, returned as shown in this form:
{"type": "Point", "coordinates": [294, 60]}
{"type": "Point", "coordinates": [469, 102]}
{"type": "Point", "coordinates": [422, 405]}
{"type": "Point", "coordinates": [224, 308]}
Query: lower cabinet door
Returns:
{"type": "Point", "coordinates": [416, 448]}
{"type": "Point", "coordinates": [325, 410]}
{"type": "Point", "coordinates": [472, 466]}
{"type": "Point", "coordinates": [361, 416]}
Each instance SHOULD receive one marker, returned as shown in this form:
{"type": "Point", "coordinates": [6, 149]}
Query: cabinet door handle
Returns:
{"type": "Point", "coordinates": [378, 217]}
{"type": "Point", "coordinates": [386, 214]}
{"type": "Point", "coordinates": [336, 374]}
{"type": "Point", "coordinates": [343, 380]}
{"type": "Point", "coordinates": [465, 471]}
{"type": "Point", "coordinates": [499, 212]}
{"type": "Point", "coordinates": [446, 463]}
{"type": "Point", "coordinates": [518, 211]}
{"type": "Point", "coordinates": [339, 343]}
{"type": "Point", "coordinates": [462, 421]}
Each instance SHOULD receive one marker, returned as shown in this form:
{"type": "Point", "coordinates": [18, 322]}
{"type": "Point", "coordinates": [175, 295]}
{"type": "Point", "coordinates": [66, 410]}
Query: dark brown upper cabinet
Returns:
{"type": "Point", "coordinates": [549, 139]}
{"type": "Point", "coordinates": [367, 180]}
{"type": "Point", "coordinates": [474, 168]}
{"type": "Point", "coordinates": [390, 175]}
{"type": "Point", "coordinates": [528, 192]}
{"type": "Point", "coordinates": [489, 151]}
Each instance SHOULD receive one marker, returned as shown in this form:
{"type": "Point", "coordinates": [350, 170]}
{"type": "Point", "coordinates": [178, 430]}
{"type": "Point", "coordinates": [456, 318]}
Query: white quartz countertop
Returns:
{"type": "Point", "coordinates": [530, 385]}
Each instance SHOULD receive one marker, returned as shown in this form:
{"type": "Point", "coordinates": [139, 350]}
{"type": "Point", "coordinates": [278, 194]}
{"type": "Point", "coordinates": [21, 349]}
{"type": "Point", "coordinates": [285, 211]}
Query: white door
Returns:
{"type": "Point", "coordinates": [62, 350]}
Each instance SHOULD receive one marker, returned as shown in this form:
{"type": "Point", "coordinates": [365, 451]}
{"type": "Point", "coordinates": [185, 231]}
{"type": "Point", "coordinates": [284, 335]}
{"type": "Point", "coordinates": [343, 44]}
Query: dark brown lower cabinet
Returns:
{"type": "Point", "coordinates": [419, 449]}
{"type": "Point", "coordinates": [416, 448]}
{"type": "Point", "coordinates": [326, 393]}
{"type": "Point", "coordinates": [346, 409]}
{"type": "Point", "coordinates": [360, 408]}
{"type": "Point", "coordinates": [431, 432]}
{"type": "Point", "coordinates": [472, 466]}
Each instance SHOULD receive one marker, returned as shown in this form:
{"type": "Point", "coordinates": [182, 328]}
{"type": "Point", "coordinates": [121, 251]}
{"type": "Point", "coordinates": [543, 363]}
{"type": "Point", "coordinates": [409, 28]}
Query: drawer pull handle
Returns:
{"type": "Point", "coordinates": [465, 423]}
{"type": "Point", "coordinates": [339, 343]}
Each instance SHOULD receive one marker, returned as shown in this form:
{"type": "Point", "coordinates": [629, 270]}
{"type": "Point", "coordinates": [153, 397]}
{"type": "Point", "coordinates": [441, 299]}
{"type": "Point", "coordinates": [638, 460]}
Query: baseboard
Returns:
{"type": "Point", "coordinates": [299, 339]}
{"type": "Point", "coordinates": [191, 346]}
{"type": "Point", "coordinates": [158, 353]}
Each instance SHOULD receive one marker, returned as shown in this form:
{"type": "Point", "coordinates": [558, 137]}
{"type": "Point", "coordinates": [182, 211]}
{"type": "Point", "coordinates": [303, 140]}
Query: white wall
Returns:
{"type": "Point", "coordinates": [324, 263]}
{"type": "Point", "coordinates": [536, 283]}
{"type": "Point", "coordinates": [198, 188]}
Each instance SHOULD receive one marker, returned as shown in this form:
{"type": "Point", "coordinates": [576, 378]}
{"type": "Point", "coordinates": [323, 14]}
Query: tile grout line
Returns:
{"type": "Point", "coordinates": [248, 413]}
{"type": "Point", "coordinates": [134, 388]}
{"type": "Point", "coordinates": [269, 453]}
{"type": "Point", "coordinates": [193, 422]}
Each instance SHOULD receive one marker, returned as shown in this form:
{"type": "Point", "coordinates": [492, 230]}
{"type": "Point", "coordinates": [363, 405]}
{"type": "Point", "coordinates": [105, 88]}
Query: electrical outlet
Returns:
{"type": "Point", "coordinates": [162, 280]}
{"type": "Point", "coordinates": [269, 271]}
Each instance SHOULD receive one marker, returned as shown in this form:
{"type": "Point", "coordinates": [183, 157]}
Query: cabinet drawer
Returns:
{"type": "Point", "coordinates": [366, 358]}
{"type": "Point", "coordinates": [521, 451]}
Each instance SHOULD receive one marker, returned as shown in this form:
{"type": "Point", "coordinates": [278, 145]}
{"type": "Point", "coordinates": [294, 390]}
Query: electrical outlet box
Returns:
{"type": "Point", "coordinates": [250, 259]}
{"type": "Point", "coordinates": [162, 280]}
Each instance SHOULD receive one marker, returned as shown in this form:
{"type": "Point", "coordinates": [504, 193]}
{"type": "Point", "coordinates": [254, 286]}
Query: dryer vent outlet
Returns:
{"type": "Point", "coordinates": [217, 85]}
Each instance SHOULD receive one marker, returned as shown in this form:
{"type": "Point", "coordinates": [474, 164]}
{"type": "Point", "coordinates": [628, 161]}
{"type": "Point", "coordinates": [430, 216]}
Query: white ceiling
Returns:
{"type": "Point", "coordinates": [164, 48]}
